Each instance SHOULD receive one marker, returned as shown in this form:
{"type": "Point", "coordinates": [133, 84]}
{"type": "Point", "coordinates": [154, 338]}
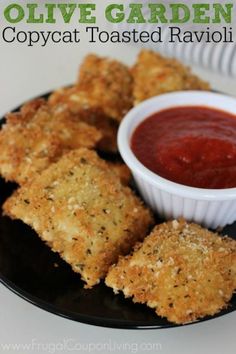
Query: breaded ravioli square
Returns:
{"type": "Point", "coordinates": [104, 85]}
{"type": "Point", "coordinates": [122, 171]}
{"type": "Point", "coordinates": [37, 136]}
{"type": "Point", "coordinates": [109, 85]}
{"type": "Point", "coordinates": [79, 207]}
{"type": "Point", "coordinates": [78, 103]}
{"type": "Point", "coordinates": [154, 75]}
{"type": "Point", "coordinates": [181, 270]}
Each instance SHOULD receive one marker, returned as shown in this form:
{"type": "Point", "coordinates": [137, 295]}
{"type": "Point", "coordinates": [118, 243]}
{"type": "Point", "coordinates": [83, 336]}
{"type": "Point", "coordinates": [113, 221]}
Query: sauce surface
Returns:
{"type": "Point", "coordinates": [193, 146]}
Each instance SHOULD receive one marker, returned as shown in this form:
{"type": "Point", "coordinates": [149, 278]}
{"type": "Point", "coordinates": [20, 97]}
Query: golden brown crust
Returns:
{"type": "Point", "coordinates": [80, 208]}
{"type": "Point", "coordinates": [27, 111]}
{"type": "Point", "coordinates": [104, 85]}
{"type": "Point", "coordinates": [154, 74]}
{"type": "Point", "coordinates": [181, 270]}
{"type": "Point", "coordinates": [37, 136]}
{"type": "Point", "coordinates": [109, 85]}
{"type": "Point", "coordinates": [122, 171]}
{"type": "Point", "coordinates": [77, 102]}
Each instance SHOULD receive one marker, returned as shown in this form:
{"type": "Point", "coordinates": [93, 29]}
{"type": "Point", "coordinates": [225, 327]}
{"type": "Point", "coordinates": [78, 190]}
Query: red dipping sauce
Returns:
{"type": "Point", "coordinates": [193, 146]}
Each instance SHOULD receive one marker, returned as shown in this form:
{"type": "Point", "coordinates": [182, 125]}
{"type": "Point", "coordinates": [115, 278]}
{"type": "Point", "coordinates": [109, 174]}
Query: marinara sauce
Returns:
{"type": "Point", "coordinates": [193, 146]}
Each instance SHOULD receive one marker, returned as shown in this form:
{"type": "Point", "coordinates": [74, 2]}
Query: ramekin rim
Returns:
{"type": "Point", "coordinates": [154, 179]}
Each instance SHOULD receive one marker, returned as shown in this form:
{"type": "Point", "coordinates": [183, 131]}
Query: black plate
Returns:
{"type": "Point", "coordinates": [31, 270]}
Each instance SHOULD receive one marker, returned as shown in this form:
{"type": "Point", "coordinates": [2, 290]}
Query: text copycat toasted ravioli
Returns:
{"type": "Point", "coordinates": [154, 75]}
{"type": "Point", "coordinates": [79, 207]}
{"type": "Point", "coordinates": [181, 270]}
{"type": "Point", "coordinates": [37, 136]}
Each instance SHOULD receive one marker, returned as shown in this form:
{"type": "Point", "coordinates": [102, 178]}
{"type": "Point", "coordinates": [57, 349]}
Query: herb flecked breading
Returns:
{"type": "Point", "coordinates": [182, 270]}
{"type": "Point", "coordinates": [37, 136]}
{"type": "Point", "coordinates": [78, 102]}
{"type": "Point", "coordinates": [109, 84]}
{"type": "Point", "coordinates": [81, 209]}
{"type": "Point", "coordinates": [154, 75]}
{"type": "Point", "coordinates": [104, 85]}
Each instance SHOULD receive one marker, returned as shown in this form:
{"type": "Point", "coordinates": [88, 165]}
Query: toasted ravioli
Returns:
{"type": "Point", "coordinates": [104, 85]}
{"type": "Point", "coordinates": [109, 130]}
{"type": "Point", "coordinates": [122, 171]}
{"type": "Point", "coordinates": [109, 85]}
{"type": "Point", "coordinates": [37, 136]}
{"type": "Point", "coordinates": [154, 75]}
{"type": "Point", "coordinates": [77, 102]}
{"type": "Point", "coordinates": [181, 270]}
{"type": "Point", "coordinates": [81, 209]}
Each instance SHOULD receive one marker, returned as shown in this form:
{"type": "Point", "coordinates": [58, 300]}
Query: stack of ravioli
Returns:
{"type": "Point", "coordinates": [83, 207]}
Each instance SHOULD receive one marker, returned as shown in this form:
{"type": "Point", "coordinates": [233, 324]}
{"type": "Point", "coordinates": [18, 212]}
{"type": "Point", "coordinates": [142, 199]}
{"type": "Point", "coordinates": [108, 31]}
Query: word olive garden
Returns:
{"type": "Point", "coordinates": [134, 13]}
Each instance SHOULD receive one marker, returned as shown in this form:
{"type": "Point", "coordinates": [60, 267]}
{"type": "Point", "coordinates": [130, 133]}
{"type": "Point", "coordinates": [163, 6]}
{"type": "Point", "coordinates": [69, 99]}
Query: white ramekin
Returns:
{"type": "Point", "coordinates": [209, 207]}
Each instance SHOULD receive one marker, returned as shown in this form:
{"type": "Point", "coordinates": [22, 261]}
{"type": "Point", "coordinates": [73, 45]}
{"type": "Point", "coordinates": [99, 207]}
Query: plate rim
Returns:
{"type": "Point", "coordinates": [89, 319]}
{"type": "Point", "coordinates": [98, 321]}
{"type": "Point", "coordinates": [70, 315]}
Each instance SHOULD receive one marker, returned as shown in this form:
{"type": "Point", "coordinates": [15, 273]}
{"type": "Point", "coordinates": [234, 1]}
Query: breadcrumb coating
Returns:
{"type": "Point", "coordinates": [76, 102]}
{"type": "Point", "coordinates": [37, 136]}
{"type": "Point", "coordinates": [108, 84]}
{"type": "Point", "coordinates": [154, 75]}
{"type": "Point", "coordinates": [122, 171]}
{"type": "Point", "coordinates": [79, 207]}
{"type": "Point", "coordinates": [181, 270]}
{"type": "Point", "coordinates": [104, 85]}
